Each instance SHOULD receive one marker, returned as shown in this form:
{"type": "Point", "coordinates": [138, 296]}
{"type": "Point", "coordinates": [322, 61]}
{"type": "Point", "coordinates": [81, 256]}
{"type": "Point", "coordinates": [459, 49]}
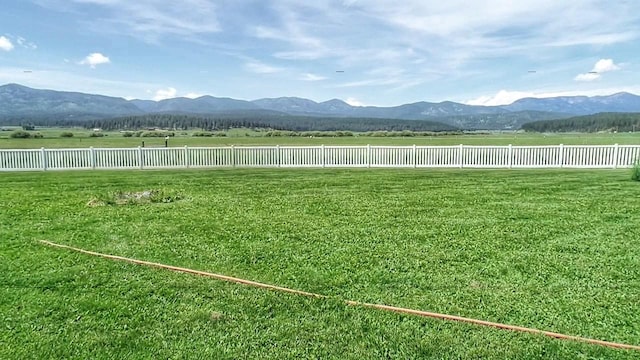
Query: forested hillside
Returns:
{"type": "Point", "coordinates": [588, 123]}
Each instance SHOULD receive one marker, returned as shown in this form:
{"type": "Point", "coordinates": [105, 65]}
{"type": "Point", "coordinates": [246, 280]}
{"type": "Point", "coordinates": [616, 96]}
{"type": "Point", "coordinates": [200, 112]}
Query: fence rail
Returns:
{"type": "Point", "coordinates": [458, 156]}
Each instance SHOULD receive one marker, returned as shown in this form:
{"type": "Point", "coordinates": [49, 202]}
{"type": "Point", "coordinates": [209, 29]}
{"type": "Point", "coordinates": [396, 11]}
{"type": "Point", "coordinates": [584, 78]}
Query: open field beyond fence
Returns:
{"type": "Point", "coordinates": [81, 139]}
{"type": "Point", "coordinates": [551, 249]}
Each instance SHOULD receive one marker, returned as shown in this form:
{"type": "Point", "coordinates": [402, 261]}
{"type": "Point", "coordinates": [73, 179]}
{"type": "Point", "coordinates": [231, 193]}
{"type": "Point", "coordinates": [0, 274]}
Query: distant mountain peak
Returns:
{"type": "Point", "coordinates": [13, 85]}
{"type": "Point", "coordinates": [334, 101]}
{"type": "Point", "coordinates": [620, 94]}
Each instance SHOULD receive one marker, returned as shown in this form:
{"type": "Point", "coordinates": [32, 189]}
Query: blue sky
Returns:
{"type": "Point", "coordinates": [374, 52]}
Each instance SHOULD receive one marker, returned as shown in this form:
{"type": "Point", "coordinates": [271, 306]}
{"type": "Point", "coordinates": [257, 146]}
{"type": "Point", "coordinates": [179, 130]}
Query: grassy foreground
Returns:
{"type": "Point", "coordinates": [554, 250]}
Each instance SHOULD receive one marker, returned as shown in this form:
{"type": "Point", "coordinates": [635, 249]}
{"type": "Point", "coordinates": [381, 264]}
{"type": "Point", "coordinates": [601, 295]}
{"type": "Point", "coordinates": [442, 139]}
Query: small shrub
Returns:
{"type": "Point", "coordinates": [127, 134]}
{"type": "Point", "coordinates": [134, 198]}
{"type": "Point", "coordinates": [377, 133]}
{"type": "Point", "coordinates": [157, 134]}
{"type": "Point", "coordinates": [281, 133]}
{"type": "Point", "coordinates": [20, 134]}
{"type": "Point", "coordinates": [344, 133]}
{"type": "Point", "coordinates": [38, 136]}
{"type": "Point", "coordinates": [66, 134]}
{"type": "Point", "coordinates": [96, 134]}
{"type": "Point", "coordinates": [635, 171]}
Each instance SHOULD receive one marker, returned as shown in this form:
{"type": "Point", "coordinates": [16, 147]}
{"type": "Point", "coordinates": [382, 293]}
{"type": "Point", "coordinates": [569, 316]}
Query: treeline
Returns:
{"type": "Point", "coordinates": [501, 121]}
{"type": "Point", "coordinates": [221, 122]}
{"type": "Point", "coordinates": [404, 133]}
{"type": "Point", "coordinates": [254, 121]}
{"type": "Point", "coordinates": [589, 123]}
{"type": "Point", "coordinates": [49, 120]}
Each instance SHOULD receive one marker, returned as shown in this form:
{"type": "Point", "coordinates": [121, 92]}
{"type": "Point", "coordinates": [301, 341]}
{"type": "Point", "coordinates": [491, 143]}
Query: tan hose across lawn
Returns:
{"type": "Point", "coordinates": [355, 303]}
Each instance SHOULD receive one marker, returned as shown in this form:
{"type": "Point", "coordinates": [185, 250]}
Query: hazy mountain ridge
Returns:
{"type": "Point", "coordinates": [21, 102]}
{"type": "Point", "coordinates": [18, 100]}
{"type": "Point", "coordinates": [580, 105]}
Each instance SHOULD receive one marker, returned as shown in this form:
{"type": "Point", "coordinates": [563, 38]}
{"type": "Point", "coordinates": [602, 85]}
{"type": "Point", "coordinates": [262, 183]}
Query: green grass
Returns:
{"type": "Point", "coordinates": [81, 139]}
{"type": "Point", "coordinates": [554, 250]}
{"type": "Point", "coordinates": [635, 171]}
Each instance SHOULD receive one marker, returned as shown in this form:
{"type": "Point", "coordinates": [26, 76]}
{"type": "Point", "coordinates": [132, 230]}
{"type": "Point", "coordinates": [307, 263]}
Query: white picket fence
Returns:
{"type": "Point", "coordinates": [458, 156]}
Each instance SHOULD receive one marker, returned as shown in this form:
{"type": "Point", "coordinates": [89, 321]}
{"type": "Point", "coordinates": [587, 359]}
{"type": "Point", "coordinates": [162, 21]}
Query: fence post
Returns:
{"type": "Point", "coordinates": [415, 156]}
{"type": "Point", "coordinates": [368, 155]}
{"type": "Point", "coordinates": [187, 163]}
{"type": "Point", "coordinates": [43, 159]}
{"type": "Point", "coordinates": [92, 157]}
{"type": "Point", "coordinates": [510, 156]}
{"type": "Point", "coordinates": [140, 159]}
{"type": "Point", "coordinates": [461, 156]}
{"type": "Point", "coordinates": [322, 153]}
{"type": "Point", "coordinates": [278, 155]}
{"type": "Point", "coordinates": [615, 156]}
{"type": "Point", "coordinates": [233, 156]}
{"type": "Point", "coordinates": [561, 155]}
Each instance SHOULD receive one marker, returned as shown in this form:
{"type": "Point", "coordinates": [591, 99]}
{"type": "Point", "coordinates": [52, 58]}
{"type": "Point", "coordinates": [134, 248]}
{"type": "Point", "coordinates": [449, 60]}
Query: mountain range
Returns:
{"type": "Point", "coordinates": [18, 102]}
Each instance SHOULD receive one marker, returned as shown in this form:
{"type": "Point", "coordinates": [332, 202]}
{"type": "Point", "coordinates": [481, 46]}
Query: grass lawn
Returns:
{"type": "Point", "coordinates": [553, 250]}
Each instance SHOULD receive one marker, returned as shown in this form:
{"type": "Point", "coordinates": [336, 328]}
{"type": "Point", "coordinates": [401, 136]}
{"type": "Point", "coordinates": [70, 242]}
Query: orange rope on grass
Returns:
{"type": "Point", "coordinates": [351, 302]}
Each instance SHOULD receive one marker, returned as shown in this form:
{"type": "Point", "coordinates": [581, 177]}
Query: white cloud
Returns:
{"type": "Point", "coordinates": [261, 68]}
{"type": "Point", "coordinates": [312, 54]}
{"type": "Point", "coordinates": [171, 92]}
{"type": "Point", "coordinates": [506, 97]}
{"type": "Point", "coordinates": [502, 97]}
{"type": "Point", "coordinates": [602, 66]}
{"type": "Point", "coordinates": [354, 102]}
{"type": "Point", "coordinates": [163, 94]}
{"type": "Point", "coordinates": [372, 82]}
{"type": "Point", "coordinates": [95, 59]}
{"type": "Point", "coordinates": [25, 43]}
{"type": "Point", "coordinates": [5, 44]}
{"type": "Point", "coordinates": [541, 21]}
{"type": "Point", "coordinates": [303, 29]}
{"type": "Point", "coordinates": [312, 77]}
{"type": "Point", "coordinates": [605, 65]}
{"type": "Point", "coordinates": [148, 20]}
{"type": "Point", "coordinates": [293, 32]}
{"type": "Point", "coordinates": [594, 39]}
{"type": "Point", "coordinates": [448, 36]}
{"type": "Point", "coordinates": [590, 76]}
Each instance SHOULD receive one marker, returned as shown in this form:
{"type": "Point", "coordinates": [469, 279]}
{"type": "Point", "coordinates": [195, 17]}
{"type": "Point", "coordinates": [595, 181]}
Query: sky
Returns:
{"type": "Point", "coordinates": [373, 52]}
